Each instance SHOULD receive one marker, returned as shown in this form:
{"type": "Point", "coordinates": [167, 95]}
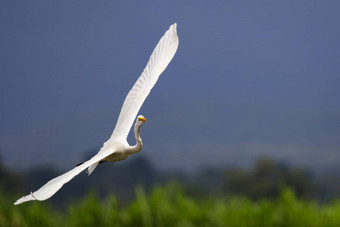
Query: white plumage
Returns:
{"type": "Point", "coordinates": [117, 147]}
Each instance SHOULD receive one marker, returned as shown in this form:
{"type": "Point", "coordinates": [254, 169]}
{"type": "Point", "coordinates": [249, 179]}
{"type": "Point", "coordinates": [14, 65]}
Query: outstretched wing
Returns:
{"type": "Point", "coordinates": [51, 187]}
{"type": "Point", "coordinates": [159, 60]}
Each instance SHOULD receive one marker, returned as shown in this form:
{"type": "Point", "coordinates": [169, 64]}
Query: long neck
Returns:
{"type": "Point", "coordinates": [136, 148]}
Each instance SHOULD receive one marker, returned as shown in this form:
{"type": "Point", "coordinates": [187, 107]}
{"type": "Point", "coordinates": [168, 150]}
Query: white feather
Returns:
{"type": "Point", "coordinates": [159, 60]}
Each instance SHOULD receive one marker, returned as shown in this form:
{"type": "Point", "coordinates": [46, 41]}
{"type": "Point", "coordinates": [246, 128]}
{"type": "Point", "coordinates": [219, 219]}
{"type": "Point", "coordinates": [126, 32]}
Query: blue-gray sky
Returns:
{"type": "Point", "coordinates": [250, 79]}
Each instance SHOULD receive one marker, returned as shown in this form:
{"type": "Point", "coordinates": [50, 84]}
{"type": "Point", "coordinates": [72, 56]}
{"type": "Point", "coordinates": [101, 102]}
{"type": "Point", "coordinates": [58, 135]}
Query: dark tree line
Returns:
{"type": "Point", "coordinates": [265, 179]}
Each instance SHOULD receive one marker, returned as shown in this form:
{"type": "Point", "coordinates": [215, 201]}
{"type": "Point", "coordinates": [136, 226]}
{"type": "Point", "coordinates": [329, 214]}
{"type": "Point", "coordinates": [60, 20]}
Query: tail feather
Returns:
{"type": "Point", "coordinates": [91, 168]}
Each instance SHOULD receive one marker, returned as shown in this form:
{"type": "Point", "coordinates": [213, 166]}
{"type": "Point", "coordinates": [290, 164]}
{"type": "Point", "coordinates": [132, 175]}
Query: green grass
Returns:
{"type": "Point", "coordinates": [169, 206]}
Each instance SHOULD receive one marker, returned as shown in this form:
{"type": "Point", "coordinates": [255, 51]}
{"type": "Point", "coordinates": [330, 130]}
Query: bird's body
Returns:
{"type": "Point", "coordinates": [121, 152]}
{"type": "Point", "coordinates": [117, 147]}
{"type": "Point", "coordinates": [121, 149]}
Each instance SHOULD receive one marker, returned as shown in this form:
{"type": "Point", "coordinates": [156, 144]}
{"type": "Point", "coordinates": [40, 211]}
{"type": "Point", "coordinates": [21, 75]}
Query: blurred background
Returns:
{"type": "Point", "coordinates": [249, 104]}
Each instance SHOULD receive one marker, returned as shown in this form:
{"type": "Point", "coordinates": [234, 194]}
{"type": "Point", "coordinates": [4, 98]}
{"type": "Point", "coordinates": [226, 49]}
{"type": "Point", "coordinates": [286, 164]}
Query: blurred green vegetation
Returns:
{"type": "Point", "coordinates": [268, 194]}
{"type": "Point", "coordinates": [168, 205]}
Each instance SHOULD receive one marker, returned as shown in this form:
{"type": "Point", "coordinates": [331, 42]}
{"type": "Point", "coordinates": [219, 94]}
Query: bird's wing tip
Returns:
{"type": "Point", "coordinates": [21, 200]}
{"type": "Point", "coordinates": [174, 27]}
{"type": "Point", "coordinates": [25, 199]}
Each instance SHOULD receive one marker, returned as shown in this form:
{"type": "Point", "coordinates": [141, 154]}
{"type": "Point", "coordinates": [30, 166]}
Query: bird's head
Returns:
{"type": "Point", "coordinates": [140, 120]}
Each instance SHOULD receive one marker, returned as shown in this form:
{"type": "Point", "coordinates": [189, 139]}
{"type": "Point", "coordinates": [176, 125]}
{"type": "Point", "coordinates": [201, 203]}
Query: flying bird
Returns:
{"type": "Point", "coordinates": [117, 147]}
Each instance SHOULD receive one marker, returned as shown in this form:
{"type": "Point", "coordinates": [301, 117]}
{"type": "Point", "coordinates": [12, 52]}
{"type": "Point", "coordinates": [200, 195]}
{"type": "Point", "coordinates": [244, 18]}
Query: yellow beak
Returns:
{"type": "Point", "coordinates": [142, 119]}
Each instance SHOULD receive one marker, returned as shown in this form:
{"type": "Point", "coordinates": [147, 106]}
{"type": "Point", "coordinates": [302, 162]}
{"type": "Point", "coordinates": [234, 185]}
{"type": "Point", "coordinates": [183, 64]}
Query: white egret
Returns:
{"type": "Point", "coordinates": [117, 147]}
